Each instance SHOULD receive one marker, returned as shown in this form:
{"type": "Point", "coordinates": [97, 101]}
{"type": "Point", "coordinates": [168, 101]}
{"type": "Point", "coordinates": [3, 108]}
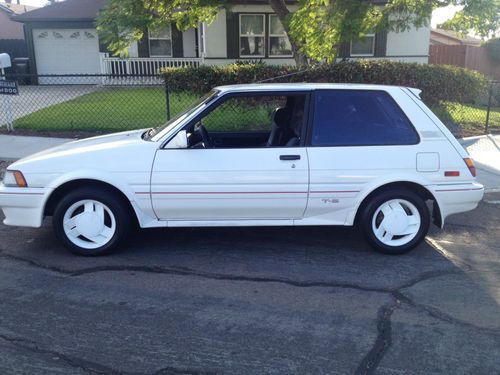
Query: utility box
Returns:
{"type": "Point", "coordinates": [5, 61]}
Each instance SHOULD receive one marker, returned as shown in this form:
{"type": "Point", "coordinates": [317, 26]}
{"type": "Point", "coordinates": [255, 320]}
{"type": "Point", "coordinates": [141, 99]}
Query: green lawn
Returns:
{"type": "Point", "coordinates": [470, 119]}
{"type": "Point", "coordinates": [115, 109]}
{"type": "Point", "coordinates": [111, 109]}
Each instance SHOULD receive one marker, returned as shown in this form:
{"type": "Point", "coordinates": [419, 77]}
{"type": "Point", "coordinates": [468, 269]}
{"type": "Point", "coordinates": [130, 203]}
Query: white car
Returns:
{"type": "Point", "coordinates": [255, 155]}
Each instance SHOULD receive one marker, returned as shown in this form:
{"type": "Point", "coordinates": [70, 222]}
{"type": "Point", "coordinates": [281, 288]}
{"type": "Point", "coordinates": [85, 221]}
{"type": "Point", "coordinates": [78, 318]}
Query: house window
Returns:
{"type": "Point", "coordinates": [279, 45]}
{"type": "Point", "coordinates": [252, 35]}
{"type": "Point", "coordinates": [364, 46]}
{"type": "Point", "coordinates": [160, 41]}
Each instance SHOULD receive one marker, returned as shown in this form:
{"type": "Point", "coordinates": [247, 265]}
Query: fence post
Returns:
{"type": "Point", "coordinates": [167, 98]}
{"type": "Point", "coordinates": [490, 96]}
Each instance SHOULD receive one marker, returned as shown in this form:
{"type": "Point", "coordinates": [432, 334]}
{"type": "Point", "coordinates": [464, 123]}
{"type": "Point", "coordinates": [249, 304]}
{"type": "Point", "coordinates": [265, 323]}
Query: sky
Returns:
{"type": "Point", "coordinates": [439, 15]}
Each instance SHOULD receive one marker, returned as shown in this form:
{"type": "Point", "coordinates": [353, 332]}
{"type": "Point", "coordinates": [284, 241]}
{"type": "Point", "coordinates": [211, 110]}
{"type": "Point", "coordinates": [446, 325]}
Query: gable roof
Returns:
{"type": "Point", "coordinates": [460, 39]}
{"type": "Point", "coordinates": [68, 10]}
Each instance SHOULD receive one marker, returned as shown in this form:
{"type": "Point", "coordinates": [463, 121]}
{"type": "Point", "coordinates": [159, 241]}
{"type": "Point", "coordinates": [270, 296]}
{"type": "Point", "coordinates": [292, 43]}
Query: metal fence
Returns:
{"type": "Point", "coordinates": [72, 105]}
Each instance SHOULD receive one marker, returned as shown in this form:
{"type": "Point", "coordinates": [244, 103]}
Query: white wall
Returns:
{"type": "Point", "coordinates": [414, 42]}
{"type": "Point", "coordinates": [189, 42]}
{"type": "Point", "coordinates": [215, 37]}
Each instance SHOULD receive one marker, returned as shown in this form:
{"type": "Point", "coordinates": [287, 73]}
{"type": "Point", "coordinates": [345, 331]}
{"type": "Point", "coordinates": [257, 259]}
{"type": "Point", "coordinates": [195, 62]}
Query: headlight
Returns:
{"type": "Point", "coordinates": [14, 179]}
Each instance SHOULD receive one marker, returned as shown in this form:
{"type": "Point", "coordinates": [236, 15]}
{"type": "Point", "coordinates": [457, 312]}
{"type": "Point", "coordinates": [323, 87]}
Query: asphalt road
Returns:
{"type": "Point", "coordinates": [254, 301]}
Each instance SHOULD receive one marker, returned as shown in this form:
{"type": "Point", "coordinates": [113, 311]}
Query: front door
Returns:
{"type": "Point", "coordinates": [237, 172]}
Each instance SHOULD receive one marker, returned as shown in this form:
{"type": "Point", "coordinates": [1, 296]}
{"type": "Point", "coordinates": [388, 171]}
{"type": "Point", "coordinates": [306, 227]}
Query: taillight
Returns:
{"type": "Point", "coordinates": [471, 166]}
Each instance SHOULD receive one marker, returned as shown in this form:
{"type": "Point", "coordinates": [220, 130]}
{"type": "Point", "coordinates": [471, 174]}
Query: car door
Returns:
{"type": "Point", "coordinates": [252, 182]}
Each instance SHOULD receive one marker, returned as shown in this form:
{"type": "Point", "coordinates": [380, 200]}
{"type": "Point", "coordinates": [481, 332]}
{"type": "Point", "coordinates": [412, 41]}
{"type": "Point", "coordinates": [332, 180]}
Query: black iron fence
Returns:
{"type": "Point", "coordinates": [66, 104]}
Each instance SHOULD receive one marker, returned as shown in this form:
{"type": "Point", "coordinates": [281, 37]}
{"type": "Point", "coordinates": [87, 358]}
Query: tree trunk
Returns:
{"type": "Point", "coordinates": [279, 7]}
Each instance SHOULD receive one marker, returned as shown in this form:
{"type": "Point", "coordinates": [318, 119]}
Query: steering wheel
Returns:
{"type": "Point", "coordinates": [202, 131]}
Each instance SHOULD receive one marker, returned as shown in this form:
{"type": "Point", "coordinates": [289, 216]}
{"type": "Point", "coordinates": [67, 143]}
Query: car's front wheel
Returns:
{"type": "Point", "coordinates": [90, 221]}
{"type": "Point", "coordinates": [395, 221]}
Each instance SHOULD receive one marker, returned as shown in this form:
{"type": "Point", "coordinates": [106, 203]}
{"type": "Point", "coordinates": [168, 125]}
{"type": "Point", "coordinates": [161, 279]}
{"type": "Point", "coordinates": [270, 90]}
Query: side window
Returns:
{"type": "Point", "coordinates": [359, 118]}
{"type": "Point", "coordinates": [245, 114]}
{"type": "Point", "coordinates": [251, 121]}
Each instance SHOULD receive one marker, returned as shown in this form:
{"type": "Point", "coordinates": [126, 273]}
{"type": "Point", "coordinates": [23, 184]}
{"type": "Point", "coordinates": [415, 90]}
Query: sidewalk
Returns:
{"type": "Point", "coordinates": [485, 150]}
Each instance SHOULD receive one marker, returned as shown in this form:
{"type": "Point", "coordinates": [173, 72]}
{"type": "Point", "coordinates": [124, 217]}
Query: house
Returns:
{"type": "Point", "coordinates": [12, 33]}
{"type": "Point", "coordinates": [62, 39]}
{"type": "Point", "coordinates": [441, 37]}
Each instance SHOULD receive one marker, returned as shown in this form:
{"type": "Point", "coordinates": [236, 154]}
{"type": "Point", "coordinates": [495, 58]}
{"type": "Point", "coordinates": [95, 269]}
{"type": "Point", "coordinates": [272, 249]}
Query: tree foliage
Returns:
{"type": "Point", "coordinates": [316, 28]}
{"type": "Point", "coordinates": [482, 17]}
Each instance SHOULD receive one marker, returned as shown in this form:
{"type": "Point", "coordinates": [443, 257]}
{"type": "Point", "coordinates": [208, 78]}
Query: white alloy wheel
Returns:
{"type": "Point", "coordinates": [89, 224]}
{"type": "Point", "coordinates": [396, 222]}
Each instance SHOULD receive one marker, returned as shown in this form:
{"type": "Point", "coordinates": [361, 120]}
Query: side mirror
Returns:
{"type": "Point", "coordinates": [179, 141]}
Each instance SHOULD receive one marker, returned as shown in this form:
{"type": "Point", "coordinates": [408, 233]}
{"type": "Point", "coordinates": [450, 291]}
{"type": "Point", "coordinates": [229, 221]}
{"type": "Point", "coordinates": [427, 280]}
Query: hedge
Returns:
{"type": "Point", "coordinates": [437, 82]}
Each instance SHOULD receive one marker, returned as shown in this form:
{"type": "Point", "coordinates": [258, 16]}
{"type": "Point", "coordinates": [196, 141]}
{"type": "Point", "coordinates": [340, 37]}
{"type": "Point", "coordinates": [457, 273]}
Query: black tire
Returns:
{"type": "Point", "coordinates": [375, 202]}
{"type": "Point", "coordinates": [113, 202]}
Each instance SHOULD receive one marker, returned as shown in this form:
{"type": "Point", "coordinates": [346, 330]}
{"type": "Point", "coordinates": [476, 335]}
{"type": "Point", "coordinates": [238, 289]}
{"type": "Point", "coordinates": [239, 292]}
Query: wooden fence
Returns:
{"type": "Point", "coordinates": [471, 57]}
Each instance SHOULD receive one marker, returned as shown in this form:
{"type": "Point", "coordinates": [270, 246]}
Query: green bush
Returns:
{"type": "Point", "coordinates": [437, 82]}
{"type": "Point", "coordinates": [493, 47]}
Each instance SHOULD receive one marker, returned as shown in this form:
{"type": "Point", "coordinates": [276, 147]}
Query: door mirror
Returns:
{"type": "Point", "coordinates": [179, 141]}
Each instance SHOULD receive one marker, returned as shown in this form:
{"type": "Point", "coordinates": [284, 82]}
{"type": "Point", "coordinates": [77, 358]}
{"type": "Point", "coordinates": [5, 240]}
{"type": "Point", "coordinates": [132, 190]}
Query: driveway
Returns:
{"type": "Point", "coordinates": [254, 301]}
{"type": "Point", "coordinates": [34, 98]}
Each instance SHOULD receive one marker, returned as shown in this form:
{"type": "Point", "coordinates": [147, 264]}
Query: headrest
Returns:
{"type": "Point", "coordinates": [281, 116]}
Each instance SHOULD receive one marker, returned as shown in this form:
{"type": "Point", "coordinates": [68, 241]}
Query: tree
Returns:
{"type": "Point", "coordinates": [482, 17]}
{"type": "Point", "coordinates": [316, 29]}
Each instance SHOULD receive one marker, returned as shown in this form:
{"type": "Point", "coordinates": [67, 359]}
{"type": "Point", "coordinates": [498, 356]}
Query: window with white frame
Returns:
{"type": "Point", "coordinates": [279, 44]}
{"type": "Point", "coordinates": [364, 46]}
{"type": "Point", "coordinates": [252, 35]}
{"type": "Point", "coordinates": [160, 41]}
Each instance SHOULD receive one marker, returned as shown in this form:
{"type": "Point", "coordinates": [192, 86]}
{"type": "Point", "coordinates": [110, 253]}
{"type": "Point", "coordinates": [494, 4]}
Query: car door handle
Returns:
{"type": "Point", "coordinates": [289, 157]}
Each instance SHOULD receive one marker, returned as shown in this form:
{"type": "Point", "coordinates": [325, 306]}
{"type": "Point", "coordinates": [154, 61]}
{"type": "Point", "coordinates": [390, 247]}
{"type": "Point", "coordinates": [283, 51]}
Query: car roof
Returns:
{"type": "Point", "coordinates": [301, 87]}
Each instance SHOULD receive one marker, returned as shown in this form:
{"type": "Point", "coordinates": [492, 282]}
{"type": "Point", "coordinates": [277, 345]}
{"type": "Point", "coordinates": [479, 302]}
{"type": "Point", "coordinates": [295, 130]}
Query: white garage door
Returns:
{"type": "Point", "coordinates": [66, 51]}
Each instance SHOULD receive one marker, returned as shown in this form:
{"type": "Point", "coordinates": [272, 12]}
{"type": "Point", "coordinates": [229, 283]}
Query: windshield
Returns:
{"type": "Point", "coordinates": [174, 121]}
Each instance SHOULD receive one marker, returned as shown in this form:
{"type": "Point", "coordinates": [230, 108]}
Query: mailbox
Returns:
{"type": "Point", "coordinates": [4, 61]}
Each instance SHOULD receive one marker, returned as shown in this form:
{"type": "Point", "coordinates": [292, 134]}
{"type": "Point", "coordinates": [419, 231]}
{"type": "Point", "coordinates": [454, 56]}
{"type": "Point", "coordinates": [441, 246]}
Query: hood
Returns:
{"type": "Point", "coordinates": [102, 142]}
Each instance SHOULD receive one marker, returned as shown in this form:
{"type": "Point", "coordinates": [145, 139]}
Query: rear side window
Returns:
{"type": "Point", "coordinates": [359, 118]}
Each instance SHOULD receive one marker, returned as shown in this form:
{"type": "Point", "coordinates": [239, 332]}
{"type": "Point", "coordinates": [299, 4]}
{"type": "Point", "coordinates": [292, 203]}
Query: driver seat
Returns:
{"type": "Point", "coordinates": [280, 118]}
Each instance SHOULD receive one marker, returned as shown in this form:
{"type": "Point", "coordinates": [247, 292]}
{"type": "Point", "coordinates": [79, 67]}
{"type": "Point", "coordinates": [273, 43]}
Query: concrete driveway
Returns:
{"type": "Point", "coordinates": [254, 301]}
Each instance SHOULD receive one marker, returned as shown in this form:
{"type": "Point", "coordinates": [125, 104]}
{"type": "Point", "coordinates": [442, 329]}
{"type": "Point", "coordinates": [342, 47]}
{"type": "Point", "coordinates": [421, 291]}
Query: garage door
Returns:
{"type": "Point", "coordinates": [66, 51]}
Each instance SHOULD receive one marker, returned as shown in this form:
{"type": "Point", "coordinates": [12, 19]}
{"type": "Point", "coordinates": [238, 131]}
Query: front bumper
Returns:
{"type": "Point", "coordinates": [23, 206]}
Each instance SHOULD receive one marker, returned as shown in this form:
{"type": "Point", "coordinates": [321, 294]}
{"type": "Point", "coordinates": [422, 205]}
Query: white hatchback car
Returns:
{"type": "Point", "coordinates": [255, 155]}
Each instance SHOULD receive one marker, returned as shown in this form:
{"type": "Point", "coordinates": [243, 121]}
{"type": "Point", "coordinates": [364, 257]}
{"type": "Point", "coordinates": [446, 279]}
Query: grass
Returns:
{"type": "Point", "coordinates": [467, 119]}
{"type": "Point", "coordinates": [107, 110]}
{"type": "Point", "coordinates": [116, 109]}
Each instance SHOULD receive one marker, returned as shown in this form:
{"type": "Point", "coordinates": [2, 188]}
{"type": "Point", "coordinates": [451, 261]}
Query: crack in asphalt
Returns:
{"type": "Point", "coordinates": [184, 271]}
{"type": "Point", "coordinates": [383, 342]}
{"type": "Point", "coordinates": [438, 314]}
{"type": "Point", "coordinates": [93, 367]}
{"type": "Point", "coordinates": [384, 337]}
{"type": "Point", "coordinates": [87, 366]}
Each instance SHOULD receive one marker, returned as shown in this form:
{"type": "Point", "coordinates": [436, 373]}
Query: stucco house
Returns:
{"type": "Point", "coordinates": [62, 39]}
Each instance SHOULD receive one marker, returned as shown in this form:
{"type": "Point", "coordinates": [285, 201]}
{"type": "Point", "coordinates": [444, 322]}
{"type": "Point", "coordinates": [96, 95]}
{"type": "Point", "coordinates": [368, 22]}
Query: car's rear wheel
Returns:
{"type": "Point", "coordinates": [395, 221]}
{"type": "Point", "coordinates": [90, 221]}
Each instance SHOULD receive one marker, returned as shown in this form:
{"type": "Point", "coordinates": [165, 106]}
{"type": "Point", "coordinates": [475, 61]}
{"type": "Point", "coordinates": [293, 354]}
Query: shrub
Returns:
{"type": "Point", "coordinates": [493, 47]}
{"type": "Point", "coordinates": [437, 82]}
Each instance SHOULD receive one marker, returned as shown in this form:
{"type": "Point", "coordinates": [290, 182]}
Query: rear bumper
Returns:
{"type": "Point", "coordinates": [22, 206]}
{"type": "Point", "coordinates": [453, 199]}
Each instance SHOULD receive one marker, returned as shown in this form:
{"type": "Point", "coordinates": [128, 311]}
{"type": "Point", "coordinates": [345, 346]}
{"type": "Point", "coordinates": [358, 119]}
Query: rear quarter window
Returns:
{"type": "Point", "coordinates": [359, 118]}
